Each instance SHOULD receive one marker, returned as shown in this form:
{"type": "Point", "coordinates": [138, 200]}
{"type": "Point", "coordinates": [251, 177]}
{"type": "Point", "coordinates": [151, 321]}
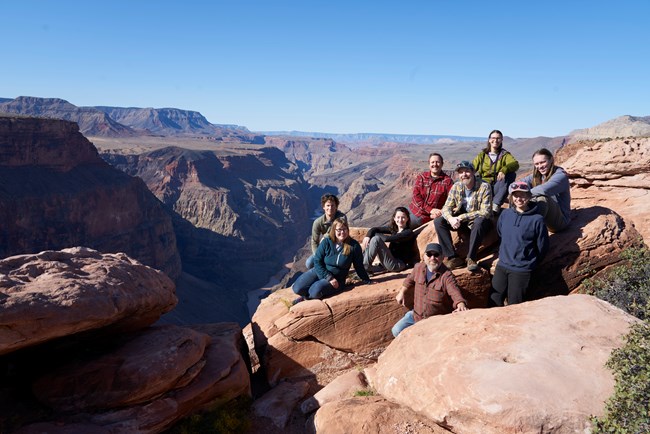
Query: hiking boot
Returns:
{"type": "Point", "coordinates": [374, 269]}
{"type": "Point", "coordinates": [472, 266]}
{"type": "Point", "coordinates": [454, 263]}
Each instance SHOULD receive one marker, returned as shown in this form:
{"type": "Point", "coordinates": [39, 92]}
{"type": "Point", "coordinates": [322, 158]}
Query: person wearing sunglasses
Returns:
{"type": "Point", "coordinates": [497, 167]}
{"type": "Point", "coordinates": [468, 209]}
{"type": "Point", "coordinates": [524, 242]}
{"type": "Point", "coordinates": [435, 290]}
{"type": "Point", "coordinates": [549, 185]}
{"type": "Point", "coordinates": [332, 261]}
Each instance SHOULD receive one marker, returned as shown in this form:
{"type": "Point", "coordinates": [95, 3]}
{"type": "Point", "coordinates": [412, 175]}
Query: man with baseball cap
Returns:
{"type": "Point", "coordinates": [468, 208]}
{"type": "Point", "coordinates": [436, 290]}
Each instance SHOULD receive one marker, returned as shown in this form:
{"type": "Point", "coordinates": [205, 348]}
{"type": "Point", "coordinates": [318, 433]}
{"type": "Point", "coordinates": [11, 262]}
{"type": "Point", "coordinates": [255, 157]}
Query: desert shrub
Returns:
{"type": "Point", "coordinates": [628, 287]}
{"type": "Point", "coordinates": [365, 392]}
{"type": "Point", "coordinates": [628, 410]}
{"type": "Point", "coordinates": [230, 418]}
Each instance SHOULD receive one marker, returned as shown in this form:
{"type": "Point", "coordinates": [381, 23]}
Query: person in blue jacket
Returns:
{"type": "Point", "coordinates": [549, 185]}
{"type": "Point", "coordinates": [524, 242]}
{"type": "Point", "coordinates": [334, 256]}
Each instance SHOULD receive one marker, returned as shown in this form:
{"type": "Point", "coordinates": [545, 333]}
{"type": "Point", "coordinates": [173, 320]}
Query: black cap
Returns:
{"type": "Point", "coordinates": [433, 247]}
{"type": "Point", "coordinates": [464, 165]}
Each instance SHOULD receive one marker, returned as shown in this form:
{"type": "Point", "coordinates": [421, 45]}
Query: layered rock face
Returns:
{"type": "Point", "coordinates": [74, 331]}
{"type": "Point", "coordinates": [55, 192]}
{"type": "Point", "coordinates": [238, 212]}
{"type": "Point", "coordinates": [614, 174]}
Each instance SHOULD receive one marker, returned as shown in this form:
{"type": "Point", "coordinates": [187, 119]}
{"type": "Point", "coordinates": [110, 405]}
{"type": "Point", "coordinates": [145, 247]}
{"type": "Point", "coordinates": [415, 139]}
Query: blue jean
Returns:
{"type": "Point", "coordinates": [309, 263]}
{"type": "Point", "coordinates": [406, 321]}
{"type": "Point", "coordinates": [500, 188]}
{"type": "Point", "coordinates": [309, 286]}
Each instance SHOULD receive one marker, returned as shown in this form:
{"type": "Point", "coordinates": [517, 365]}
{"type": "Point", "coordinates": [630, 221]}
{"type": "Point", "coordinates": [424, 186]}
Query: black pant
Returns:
{"type": "Point", "coordinates": [514, 284]}
{"type": "Point", "coordinates": [480, 227]}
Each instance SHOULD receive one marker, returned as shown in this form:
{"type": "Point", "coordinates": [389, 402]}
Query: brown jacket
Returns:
{"type": "Point", "coordinates": [440, 296]}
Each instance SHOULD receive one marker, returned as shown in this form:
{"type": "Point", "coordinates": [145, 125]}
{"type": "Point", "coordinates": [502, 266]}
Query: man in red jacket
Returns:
{"type": "Point", "coordinates": [429, 192]}
{"type": "Point", "coordinates": [436, 290]}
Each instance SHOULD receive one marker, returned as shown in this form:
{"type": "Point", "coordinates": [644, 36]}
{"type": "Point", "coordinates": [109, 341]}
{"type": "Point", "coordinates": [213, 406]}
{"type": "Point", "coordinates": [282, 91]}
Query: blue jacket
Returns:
{"type": "Point", "coordinates": [524, 239]}
{"type": "Point", "coordinates": [329, 263]}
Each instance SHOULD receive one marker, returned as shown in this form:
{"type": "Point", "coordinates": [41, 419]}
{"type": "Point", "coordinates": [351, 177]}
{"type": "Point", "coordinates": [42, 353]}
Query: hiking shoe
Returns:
{"type": "Point", "coordinates": [454, 263]}
{"type": "Point", "coordinates": [297, 300]}
{"type": "Point", "coordinates": [472, 266]}
{"type": "Point", "coordinates": [373, 269]}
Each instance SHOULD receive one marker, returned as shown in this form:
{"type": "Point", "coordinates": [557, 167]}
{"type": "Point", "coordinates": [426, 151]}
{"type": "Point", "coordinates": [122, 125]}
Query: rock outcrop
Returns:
{"type": "Point", "coordinates": [54, 294]}
{"type": "Point", "coordinates": [622, 126]}
{"type": "Point", "coordinates": [148, 382]}
{"type": "Point", "coordinates": [531, 367]}
{"type": "Point", "coordinates": [614, 174]}
{"type": "Point", "coordinates": [55, 192]}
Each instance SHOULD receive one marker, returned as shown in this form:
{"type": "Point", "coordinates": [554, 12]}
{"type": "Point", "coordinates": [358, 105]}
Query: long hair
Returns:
{"type": "Point", "coordinates": [392, 225]}
{"type": "Point", "coordinates": [487, 147]}
{"type": "Point", "coordinates": [537, 177]}
{"type": "Point", "coordinates": [347, 248]}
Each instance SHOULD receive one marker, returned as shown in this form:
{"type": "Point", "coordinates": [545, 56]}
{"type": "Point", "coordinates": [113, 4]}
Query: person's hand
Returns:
{"type": "Point", "coordinates": [454, 222]}
{"type": "Point", "coordinates": [435, 213]}
{"type": "Point", "coordinates": [364, 243]}
{"type": "Point", "coordinates": [461, 307]}
{"type": "Point", "coordinates": [334, 283]}
{"type": "Point", "coordinates": [501, 176]}
{"type": "Point", "coordinates": [400, 297]}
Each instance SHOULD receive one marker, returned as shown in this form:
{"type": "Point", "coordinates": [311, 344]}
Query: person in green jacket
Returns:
{"type": "Point", "coordinates": [497, 167]}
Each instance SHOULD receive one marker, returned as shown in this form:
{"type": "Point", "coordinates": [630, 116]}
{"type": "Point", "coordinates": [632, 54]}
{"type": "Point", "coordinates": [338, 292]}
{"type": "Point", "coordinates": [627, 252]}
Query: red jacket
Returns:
{"type": "Point", "coordinates": [429, 193]}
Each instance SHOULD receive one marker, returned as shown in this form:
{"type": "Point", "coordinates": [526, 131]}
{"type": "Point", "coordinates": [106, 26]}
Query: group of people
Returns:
{"type": "Point", "coordinates": [474, 205]}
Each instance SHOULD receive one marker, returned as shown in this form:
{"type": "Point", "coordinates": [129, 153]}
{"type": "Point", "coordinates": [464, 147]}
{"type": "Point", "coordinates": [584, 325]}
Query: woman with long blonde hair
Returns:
{"type": "Point", "coordinates": [332, 261]}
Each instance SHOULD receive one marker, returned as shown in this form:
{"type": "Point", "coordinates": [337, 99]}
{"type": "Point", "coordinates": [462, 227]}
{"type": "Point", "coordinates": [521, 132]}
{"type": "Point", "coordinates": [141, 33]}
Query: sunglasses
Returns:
{"type": "Point", "coordinates": [434, 254]}
{"type": "Point", "coordinates": [519, 186]}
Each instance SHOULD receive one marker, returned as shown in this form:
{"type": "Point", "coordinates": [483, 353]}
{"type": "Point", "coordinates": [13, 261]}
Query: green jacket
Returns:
{"type": "Point", "coordinates": [487, 170]}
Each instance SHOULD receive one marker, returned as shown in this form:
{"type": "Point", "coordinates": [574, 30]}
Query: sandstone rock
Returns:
{"type": "Point", "coordinates": [57, 193]}
{"type": "Point", "coordinates": [531, 367]}
{"type": "Point", "coordinates": [344, 386]}
{"type": "Point", "coordinates": [148, 364]}
{"type": "Point", "coordinates": [219, 376]}
{"type": "Point", "coordinates": [59, 293]}
{"type": "Point", "coordinates": [592, 242]}
{"type": "Point", "coordinates": [278, 403]}
{"type": "Point", "coordinates": [371, 414]}
{"type": "Point", "coordinates": [614, 174]}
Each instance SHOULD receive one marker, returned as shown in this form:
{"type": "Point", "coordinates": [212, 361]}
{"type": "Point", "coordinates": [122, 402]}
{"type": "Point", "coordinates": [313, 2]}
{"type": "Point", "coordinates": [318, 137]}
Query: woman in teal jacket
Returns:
{"type": "Point", "coordinates": [497, 167]}
{"type": "Point", "coordinates": [332, 261]}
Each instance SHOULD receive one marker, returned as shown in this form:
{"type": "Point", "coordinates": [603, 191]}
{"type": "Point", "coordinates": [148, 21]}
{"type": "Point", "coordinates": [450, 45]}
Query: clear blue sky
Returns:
{"type": "Point", "coordinates": [411, 67]}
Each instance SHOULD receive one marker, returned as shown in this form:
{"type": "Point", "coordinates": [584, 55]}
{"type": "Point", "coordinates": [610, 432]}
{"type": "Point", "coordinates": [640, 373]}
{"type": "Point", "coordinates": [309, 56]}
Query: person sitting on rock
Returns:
{"type": "Point", "coordinates": [524, 242]}
{"type": "Point", "coordinates": [321, 226]}
{"type": "Point", "coordinates": [401, 254]}
{"type": "Point", "coordinates": [435, 290]}
{"type": "Point", "coordinates": [429, 192]}
{"type": "Point", "coordinates": [497, 167]}
{"type": "Point", "coordinates": [550, 188]}
{"type": "Point", "coordinates": [332, 261]}
{"type": "Point", "coordinates": [468, 208]}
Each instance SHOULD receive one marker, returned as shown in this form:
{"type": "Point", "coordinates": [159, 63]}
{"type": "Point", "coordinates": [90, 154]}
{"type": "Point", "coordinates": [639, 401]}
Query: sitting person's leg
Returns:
{"type": "Point", "coordinates": [550, 210]}
{"type": "Point", "coordinates": [500, 189]}
{"type": "Point", "coordinates": [415, 221]}
{"type": "Point", "coordinates": [321, 288]}
{"type": "Point", "coordinates": [309, 263]}
{"type": "Point", "coordinates": [480, 227]}
{"type": "Point", "coordinates": [406, 321]}
{"type": "Point", "coordinates": [303, 282]}
{"type": "Point", "coordinates": [443, 229]}
{"type": "Point", "coordinates": [378, 248]}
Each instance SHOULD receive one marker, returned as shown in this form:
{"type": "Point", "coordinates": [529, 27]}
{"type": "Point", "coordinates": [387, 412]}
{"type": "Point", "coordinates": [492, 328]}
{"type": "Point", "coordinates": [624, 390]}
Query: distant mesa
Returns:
{"type": "Point", "coordinates": [103, 121]}
{"type": "Point", "coordinates": [622, 126]}
{"type": "Point", "coordinates": [377, 138]}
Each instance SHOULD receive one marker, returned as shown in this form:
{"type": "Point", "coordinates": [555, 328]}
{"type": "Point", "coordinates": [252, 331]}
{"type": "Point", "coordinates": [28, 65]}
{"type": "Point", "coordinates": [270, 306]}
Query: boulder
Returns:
{"type": "Point", "coordinates": [532, 367]}
{"type": "Point", "coordinates": [198, 379]}
{"type": "Point", "coordinates": [323, 338]}
{"type": "Point", "coordinates": [59, 293]}
{"type": "Point", "coordinates": [278, 403]}
{"type": "Point", "coordinates": [372, 414]}
{"type": "Point", "coordinates": [344, 386]}
{"type": "Point", "coordinates": [613, 174]}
